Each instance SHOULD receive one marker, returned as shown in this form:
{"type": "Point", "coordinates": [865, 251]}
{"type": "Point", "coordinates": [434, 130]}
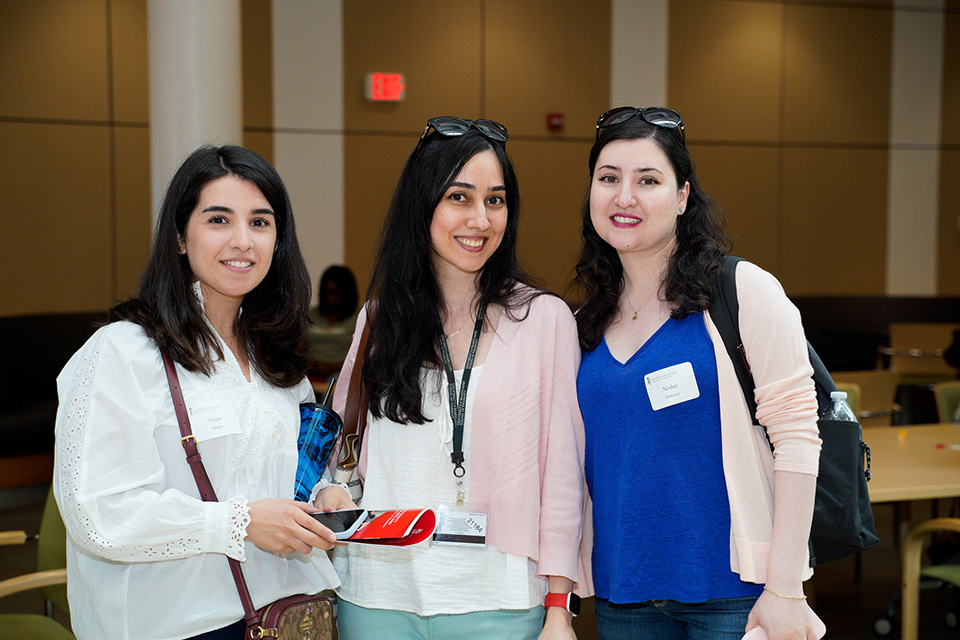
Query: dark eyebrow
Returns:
{"type": "Point", "coordinates": [467, 185]}
{"type": "Point", "coordinates": [645, 169]}
{"type": "Point", "coordinates": [220, 207]}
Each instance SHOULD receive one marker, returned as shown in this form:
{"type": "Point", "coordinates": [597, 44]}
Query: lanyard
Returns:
{"type": "Point", "coordinates": [458, 410]}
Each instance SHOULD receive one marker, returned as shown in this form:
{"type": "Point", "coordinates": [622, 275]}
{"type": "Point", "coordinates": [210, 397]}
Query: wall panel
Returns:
{"type": "Point", "coordinates": [836, 75]}
{"type": "Point", "coordinates": [128, 44]}
{"type": "Point", "coordinates": [553, 180]}
{"type": "Point", "coordinates": [546, 57]}
{"type": "Point", "coordinates": [53, 59]}
{"type": "Point", "coordinates": [58, 234]}
{"type": "Point", "coordinates": [745, 183]}
{"type": "Point", "coordinates": [833, 239]}
{"type": "Point", "coordinates": [133, 235]}
{"type": "Point", "coordinates": [724, 69]}
{"type": "Point", "coordinates": [948, 248]}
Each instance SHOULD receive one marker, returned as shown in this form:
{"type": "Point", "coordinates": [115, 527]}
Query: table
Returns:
{"type": "Point", "coordinates": [913, 462]}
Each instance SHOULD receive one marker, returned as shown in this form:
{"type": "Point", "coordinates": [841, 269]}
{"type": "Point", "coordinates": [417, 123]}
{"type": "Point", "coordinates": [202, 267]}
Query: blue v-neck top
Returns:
{"type": "Point", "coordinates": [661, 515]}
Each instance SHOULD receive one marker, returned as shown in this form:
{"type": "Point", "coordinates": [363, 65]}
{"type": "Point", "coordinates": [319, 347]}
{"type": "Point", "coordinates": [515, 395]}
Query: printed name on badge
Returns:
{"type": "Point", "coordinates": [671, 386]}
{"type": "Point", "coordinates": [210, 420]}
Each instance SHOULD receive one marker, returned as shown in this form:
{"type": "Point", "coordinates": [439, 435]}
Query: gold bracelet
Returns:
{"type": "Point", "coordinates": [765, 588]}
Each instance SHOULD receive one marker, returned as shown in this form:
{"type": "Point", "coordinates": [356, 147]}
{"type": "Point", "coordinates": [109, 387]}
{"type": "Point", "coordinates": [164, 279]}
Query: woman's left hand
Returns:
{"type": "Point", "coordinates": [557, 625]}
{"type": "Point", "coordinates": [781, 618]}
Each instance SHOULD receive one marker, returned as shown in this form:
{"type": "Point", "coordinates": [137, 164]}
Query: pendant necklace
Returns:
{"type": "Point", "coordinates": [455, 333]}
{"type": "Point", "coordinates": [640, 308]}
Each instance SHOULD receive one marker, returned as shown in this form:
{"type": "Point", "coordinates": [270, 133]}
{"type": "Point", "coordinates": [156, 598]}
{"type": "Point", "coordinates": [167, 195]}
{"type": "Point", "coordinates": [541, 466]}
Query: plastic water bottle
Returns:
{"type": "Point", "coordinates": [838, 409]}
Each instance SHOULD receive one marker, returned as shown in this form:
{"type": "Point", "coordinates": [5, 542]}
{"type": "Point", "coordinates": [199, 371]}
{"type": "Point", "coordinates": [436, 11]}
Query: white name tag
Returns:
{"type": "Point", "coordinates": [460, 529]}
{"type": "Point", "coordinates": [211, 420]}
{"type": "Point", "coordinates": [671, 386]}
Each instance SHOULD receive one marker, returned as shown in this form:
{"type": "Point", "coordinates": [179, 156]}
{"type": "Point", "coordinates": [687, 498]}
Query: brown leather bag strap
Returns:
{"type": "Point", "coordinates": [355, 411]}
{"type": "Point", "coordinates": [189, 442]}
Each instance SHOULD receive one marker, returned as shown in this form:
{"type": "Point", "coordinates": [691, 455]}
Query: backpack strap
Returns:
{"type": "Point", "coordinates": [725, 313]}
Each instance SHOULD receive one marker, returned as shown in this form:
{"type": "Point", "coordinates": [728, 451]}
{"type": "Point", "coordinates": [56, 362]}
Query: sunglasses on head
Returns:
{"type": "Point", "coordinates": [658, 116]}
{"type": "Point", "coordinates": [451, 126]}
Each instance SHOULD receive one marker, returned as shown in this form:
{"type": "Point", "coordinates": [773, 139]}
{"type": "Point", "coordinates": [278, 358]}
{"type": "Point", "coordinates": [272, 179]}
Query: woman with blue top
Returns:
{"type": "Point", "coordinates": [699, 531]}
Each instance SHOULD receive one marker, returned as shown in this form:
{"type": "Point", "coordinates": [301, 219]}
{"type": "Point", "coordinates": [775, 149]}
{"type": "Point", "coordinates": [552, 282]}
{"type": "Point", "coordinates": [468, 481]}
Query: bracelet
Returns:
{"type": "Point", "coordinates": [765, 588]}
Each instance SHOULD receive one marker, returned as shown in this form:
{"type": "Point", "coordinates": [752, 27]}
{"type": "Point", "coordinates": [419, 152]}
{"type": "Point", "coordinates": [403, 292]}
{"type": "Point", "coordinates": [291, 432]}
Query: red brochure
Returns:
{"type": "Point", "coordinates": [398, 528]}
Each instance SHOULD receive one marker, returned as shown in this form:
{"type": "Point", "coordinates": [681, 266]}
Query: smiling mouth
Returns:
{"type": "Point", "coordinates": [239, 264]}
{"type": "Point", "coordinates": [471, 243]}
{"type": "Point", "coordinates": [625, 220]}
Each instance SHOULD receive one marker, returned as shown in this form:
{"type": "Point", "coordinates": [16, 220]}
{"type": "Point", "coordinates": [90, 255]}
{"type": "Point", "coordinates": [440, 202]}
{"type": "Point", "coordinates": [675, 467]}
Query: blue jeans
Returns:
{"type": "Point", "coordinates": [721, 619]}
{"type": "Point", "coordinates": [360, 623]}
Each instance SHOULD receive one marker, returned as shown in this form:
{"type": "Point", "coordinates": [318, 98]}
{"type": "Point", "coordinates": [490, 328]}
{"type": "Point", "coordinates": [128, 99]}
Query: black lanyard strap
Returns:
{"type": "Point", "coordinates": [458, 410]}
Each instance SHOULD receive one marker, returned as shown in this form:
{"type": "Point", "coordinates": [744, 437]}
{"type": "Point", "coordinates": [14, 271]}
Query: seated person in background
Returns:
{"type": "Point", "coordinates": [332, 321]}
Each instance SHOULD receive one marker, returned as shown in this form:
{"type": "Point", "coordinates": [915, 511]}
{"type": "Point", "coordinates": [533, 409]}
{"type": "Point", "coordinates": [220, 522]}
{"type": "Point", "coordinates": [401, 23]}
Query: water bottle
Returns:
{"type": "Point", "coordinates": [956, 417]}
{"type": "Point", "coordinates": [838, 409]}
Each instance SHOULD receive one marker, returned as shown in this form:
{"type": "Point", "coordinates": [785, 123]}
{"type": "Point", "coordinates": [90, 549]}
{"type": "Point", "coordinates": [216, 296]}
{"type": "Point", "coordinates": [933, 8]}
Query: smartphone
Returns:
{"type": "Point", "coordinates": [343, 523]}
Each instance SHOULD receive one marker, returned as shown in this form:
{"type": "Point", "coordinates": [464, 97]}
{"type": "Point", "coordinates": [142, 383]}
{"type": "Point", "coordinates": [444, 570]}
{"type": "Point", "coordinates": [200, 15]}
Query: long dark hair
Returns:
{"type": "Point", "coordinates": [404, 291]}
{"type": "Point", "coordinates": [693, 268]}
{"type": "Point", "coordinates": [274, 316]}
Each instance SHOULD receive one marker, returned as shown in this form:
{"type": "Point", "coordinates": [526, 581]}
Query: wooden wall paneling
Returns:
{"type": "Point", "coordinates": [372, 166]}
{"type": "Point", "coordinates": [949, 122]}
{"type": "Point", "coordinates": [435, 44]}
{"type": "Point", "coordinates": [57, 243]}
{"type": "Point", "coordinates": [134, 230]}
{"type": "Point", "coordinates": [256, 22]}
{"type": "Point", "coordinates": [128, 44]}
{"type": "Point", "coordinates": [53, 59]}
{"type": "Point", "coordinates": [744, 180]}
{"type": "Point", "coordinates": [553, 180]}
{"type": "Point", "coordinates": [546, 57]}
{"type": "Point", "coordinates": [948, 242]}
{"type": "Point", "coordinates": [834, 222]}
{"type": "Point", "coordinates": [724, 69]}
{"type": "Point", "coordinates": [263, 143]}
{"type": "Point", "coordinates": [837, 75]}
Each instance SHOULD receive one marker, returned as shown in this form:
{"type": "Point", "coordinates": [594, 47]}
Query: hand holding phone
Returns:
{"type": "Point", "coordinates": [343, 523]}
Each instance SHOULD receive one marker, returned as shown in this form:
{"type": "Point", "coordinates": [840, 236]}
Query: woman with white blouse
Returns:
{"type": "Point", "coordinates": [225, 293]}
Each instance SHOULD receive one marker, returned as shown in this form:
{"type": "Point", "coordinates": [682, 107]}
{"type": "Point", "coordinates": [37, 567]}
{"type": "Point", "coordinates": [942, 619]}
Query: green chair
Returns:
{"type": "Point", "coordinates": [947, 395]}
{"type": "Point", "coordinates": [50, 578]}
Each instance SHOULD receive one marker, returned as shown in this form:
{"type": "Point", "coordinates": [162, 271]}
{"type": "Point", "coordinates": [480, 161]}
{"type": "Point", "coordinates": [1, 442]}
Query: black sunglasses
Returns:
{"type": "Point", "coordinates": [658, 116]}
{"type": "Point", "coordinates": [452, 127]}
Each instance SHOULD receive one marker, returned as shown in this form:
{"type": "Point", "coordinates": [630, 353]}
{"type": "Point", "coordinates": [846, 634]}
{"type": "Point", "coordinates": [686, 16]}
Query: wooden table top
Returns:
{"type": "Point", "coordinates": [914, 462]}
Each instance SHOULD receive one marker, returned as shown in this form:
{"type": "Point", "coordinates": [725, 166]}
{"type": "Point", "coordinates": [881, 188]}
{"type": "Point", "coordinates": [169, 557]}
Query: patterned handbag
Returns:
{"type": "Point", "coordinates": [299, 617]}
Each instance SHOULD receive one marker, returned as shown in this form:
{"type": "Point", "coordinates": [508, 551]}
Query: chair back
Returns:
{"type": "Point", "coordinates": [876, 400]}
{"type": "Point", "coordinates": [947, 395]}
{"type": "Point", "coordinates": [916, 349]}
{"type": "Point", "coordinates": [52, 550]}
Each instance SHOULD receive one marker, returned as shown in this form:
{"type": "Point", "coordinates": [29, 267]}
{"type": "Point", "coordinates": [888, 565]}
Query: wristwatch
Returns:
{"type": "Point", "coordinates": [568, 601]}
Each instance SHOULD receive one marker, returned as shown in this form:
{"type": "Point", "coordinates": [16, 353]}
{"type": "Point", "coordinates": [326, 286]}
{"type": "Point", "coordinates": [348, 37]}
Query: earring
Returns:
{"type": "Point", "coordinates": [679, 209]}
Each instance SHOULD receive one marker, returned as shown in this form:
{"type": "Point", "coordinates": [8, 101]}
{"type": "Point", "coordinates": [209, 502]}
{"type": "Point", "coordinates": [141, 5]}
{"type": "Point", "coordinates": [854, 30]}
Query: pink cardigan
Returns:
{"type": "Point", "coordinates": [527, 437]}
{"type": "Point", "coordinates": [786, 405]}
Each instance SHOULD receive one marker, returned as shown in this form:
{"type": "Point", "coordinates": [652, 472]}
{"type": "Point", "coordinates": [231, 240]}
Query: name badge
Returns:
{"type": "Point", "coordinates": [460, 529]}
{"type": "Point", "coordinates": [671, 386]}
{"type": "Point", "coordinates": [211, 420]}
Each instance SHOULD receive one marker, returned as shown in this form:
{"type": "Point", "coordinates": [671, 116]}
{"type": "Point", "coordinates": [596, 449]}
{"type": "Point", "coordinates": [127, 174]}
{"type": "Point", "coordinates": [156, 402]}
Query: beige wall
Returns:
{"type": "Point", "coordinates": [74, 166]}
{"type": "Point", "coordinates": [788, 108]}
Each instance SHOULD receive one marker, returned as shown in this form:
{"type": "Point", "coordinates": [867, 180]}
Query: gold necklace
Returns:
{"type": "Point", "coordinates": [450, 335]}
{"type": "Point", "coordinates": [638, 310]}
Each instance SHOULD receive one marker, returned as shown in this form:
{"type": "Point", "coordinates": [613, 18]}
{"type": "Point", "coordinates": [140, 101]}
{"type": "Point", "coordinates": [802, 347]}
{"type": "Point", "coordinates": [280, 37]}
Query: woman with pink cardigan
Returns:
{"type": "Point", "coordinates": [470, 376]}
{"type": "Point", "coordinates": [699, 531]}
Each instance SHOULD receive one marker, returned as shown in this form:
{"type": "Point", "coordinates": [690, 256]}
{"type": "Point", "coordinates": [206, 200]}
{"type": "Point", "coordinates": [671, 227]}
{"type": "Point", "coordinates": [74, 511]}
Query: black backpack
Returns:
{"type": "Point", "coordinates": [842, 518]}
